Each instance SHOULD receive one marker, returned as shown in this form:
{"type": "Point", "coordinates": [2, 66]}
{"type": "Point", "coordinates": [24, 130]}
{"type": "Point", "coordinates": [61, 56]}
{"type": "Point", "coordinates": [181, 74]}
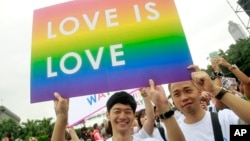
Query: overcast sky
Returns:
{"type": "Point", "coordinates": [205, 23]}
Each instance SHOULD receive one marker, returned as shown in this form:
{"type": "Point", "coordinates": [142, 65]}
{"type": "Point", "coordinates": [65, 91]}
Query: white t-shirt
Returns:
{"type": "Point", "coordinates": [140, 136]}
{"type": "Point", "coordinates": [211, 108]}
{"type": "Point", "coordinates": [203, 130]}
{"type": "Point", "coordinates": [177, 114]}
{"type": "Point", "coordinates": [156, 134]}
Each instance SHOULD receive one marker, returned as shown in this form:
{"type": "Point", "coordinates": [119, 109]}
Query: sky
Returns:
{"type": "Point", "coordinates": [205, 23]}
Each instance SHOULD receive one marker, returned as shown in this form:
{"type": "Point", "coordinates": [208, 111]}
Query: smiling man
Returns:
{"type": "Point", "coordinates": [197, 125]}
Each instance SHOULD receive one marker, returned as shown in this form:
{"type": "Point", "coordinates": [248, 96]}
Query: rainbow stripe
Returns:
{"type": "Point", "coordinates": [150, 32]}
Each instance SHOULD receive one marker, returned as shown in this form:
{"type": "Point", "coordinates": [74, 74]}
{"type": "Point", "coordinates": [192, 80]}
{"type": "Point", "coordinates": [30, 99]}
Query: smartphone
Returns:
{"type": "Point", "coordinates": [214, 54]}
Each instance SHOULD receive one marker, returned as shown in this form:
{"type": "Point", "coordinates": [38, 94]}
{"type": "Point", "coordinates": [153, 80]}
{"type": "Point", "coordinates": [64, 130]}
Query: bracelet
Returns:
{"type": "Point", "coordinates": [232, 67]}
{"type": "Point", "coordinates": [167, 114]}
{"type": "Point", "coordinates": [221, 94]}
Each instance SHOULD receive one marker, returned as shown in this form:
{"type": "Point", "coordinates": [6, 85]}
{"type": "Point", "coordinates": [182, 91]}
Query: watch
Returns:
{"type": "Point", "coordinates": [217, 74]}
{"type": "Point", "coordinates": [167, 114]}
{"type": "Point", "coordinates": [221, 94]}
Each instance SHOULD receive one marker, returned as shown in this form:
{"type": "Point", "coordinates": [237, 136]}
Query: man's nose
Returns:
{"type": "Point", "coordinates": [183, 97]}
{"type": "Point", "coordinates": [122, 115]}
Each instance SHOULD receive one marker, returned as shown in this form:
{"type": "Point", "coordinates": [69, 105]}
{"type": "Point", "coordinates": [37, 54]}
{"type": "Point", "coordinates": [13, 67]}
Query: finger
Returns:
{"type": "Point", "coordinates": [194, 67]}
{"type": "Point", "coordinates": [57, 96]}
{"type": "Point", "coordinates": [55, 103]}
{"type": "Point", "coordinates": [151, 84]}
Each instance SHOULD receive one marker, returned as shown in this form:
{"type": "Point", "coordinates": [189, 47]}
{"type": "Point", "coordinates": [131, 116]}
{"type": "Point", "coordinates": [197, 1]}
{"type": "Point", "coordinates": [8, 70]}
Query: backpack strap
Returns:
{"type": "Point", "coordinates": [161, 130]}
{"type": "Point", "coordinates": [216, 127]}
{"type": "Point", "coordinates": [210, 109]}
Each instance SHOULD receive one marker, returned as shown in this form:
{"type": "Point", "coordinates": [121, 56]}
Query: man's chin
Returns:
{"type": "Point", "coordinates": [123, 130]}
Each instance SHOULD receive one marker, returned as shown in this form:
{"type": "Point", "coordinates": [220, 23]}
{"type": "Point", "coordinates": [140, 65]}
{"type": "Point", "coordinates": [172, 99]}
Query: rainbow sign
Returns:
{"type": "Point", "coordinates": [93, 46]}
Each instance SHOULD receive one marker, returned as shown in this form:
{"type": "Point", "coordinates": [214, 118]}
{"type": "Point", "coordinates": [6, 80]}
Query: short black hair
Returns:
{"type": "Point", "coordinates": [123, 98]}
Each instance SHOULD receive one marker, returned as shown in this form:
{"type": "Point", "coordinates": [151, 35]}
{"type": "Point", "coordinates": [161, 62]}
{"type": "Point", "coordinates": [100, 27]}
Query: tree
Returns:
{"type": "Point", "coordinates": [45, 127]}
{"type": "Point", "coordinates": [42, 129]}
{"type": "Point", "coordinates": [39, 128]}
{"type": "Point", "coordinates": [30, 128]}
{"type": "Point", "coordinates": [239, 54]}
{"type": "Point", "coordinates": [11, 127]}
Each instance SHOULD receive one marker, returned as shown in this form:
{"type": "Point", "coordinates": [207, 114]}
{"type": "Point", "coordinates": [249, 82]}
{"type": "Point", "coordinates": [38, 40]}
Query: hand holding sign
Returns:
{"type": "Point", "coordinates": [61, 105]}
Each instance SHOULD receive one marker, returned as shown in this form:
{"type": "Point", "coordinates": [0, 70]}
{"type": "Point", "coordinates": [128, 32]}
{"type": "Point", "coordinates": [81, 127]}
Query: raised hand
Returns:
{"type": "Point", "coordinates": [215, 62]}
{"type": "Point", "coordinates": [203, 81]}
{"type": "Point", "coordinates": [221, 61]}
{"type": "Point", "coordinates": [158, 96]}
{"type": "Point", "coordinates": [61, 105]}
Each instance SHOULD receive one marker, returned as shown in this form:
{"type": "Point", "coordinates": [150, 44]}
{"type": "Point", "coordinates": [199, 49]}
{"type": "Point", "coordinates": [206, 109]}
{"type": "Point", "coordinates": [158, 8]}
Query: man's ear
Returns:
{"type": "Point", "coordinates": [107, 115]}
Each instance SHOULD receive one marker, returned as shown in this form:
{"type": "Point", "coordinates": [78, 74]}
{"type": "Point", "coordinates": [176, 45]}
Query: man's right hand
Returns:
{"type": "Point", "coordinates": [61, 105]}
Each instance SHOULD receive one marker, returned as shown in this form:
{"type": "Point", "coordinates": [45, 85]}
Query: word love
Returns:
{"type": "Point", "coordinates": [115, 51]}
{"type": "Point", "coordinates": [111, 18]}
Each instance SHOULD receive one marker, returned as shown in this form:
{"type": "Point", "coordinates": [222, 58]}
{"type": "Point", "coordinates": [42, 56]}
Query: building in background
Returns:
{"type": "Point", "coordinates": [236, 31]}
{"type": "Point", "coordinates": [5, 113]}
{"type": "Point", "coordinates": [241, 9]}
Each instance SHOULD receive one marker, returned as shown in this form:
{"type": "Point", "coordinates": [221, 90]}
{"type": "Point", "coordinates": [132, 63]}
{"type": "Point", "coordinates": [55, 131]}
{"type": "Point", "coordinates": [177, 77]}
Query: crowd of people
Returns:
{"type": "Point", "coordinates": [203, 110]}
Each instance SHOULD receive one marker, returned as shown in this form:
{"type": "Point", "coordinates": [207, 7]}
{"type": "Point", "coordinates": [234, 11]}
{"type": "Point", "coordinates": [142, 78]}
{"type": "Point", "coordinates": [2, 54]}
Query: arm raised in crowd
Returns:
{"type": "Point", "coordinates": [236, 71]}
{"type": "Point", "coordinates": [159, 98]}
{"type": "Point", "coordinates": [241, 107]}
{"type": "Point", "coordinates": [61, 106]}
{"type": "Point", "coordinates": [216, 68]}
{"type": "Point", "coordinates": [149, 110]}
{"type": "Point", "coordinates": [239, 74]}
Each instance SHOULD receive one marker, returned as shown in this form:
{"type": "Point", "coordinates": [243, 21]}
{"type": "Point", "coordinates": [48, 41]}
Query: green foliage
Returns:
{"type": "Point", "coordinates": [42, 129]}
{"type": "Point", "coordinates": [239, 54]}
{"type": "Point", "coordinates": [9, 127]}
{"type": "Point", "coordinates": [43, 138]}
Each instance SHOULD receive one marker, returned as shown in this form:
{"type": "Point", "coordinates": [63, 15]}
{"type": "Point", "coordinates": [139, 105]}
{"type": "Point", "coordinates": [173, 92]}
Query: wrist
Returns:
{"type": "Point", "coordinates": [226, 64]}
{"type": "Point", "coordinates": [220, 94]}
{"type": "Point", "coordinates": [62, 117]}
{"type": "Point", "coordinates": [164, 110]}
{"type": "Point", "coordinates": [163, 107]}
{"type": "Point", "coordinates": [216, 68]}
{"type": "Point", "coordinates": [167, 114]}
{"type": "Point", "coordinates": [215, 90]}
{"type": "Point", "coordinates": [232, 67]}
